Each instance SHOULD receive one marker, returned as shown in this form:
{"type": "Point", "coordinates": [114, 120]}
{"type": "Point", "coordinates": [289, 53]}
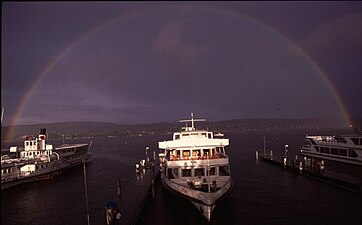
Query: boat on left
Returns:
{"type": "Point", "coordinates": [37, 160]}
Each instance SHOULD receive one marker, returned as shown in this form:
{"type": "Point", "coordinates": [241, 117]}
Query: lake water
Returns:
{"type": "Point", "coordinates": [262, 193]}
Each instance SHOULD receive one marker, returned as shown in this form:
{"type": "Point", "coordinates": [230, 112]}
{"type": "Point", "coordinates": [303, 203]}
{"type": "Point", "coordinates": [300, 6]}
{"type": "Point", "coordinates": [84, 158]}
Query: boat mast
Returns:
{"type": "Point", "coordinates": [192, 120]}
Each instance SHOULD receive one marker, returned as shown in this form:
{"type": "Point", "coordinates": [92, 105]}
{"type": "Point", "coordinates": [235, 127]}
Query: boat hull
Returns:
{"type": "Point", "coordinates": [205, 202]}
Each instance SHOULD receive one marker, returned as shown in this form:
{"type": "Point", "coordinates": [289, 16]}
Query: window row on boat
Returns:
{"type": "Point", "coordinates": [181, 154]}
{"type": "Point", "coordinates": [73, 156]}
{"type": "Point", "coordinates": [178, 172]}
{"type": "Point", "coordinates": [9, 170]}
{"type": "Point", "coordinates": [34, 153]}
{"type": "Point", "coordinates": [178, 136]}
{"type": "Point", "coordinates": [335, 139]}
{"type": "Point", "coordinates": [337, 151]}
{"type": "Point", "coordinates": [62, 151]}
{"type": "Point", "coordinates": [81, 149]}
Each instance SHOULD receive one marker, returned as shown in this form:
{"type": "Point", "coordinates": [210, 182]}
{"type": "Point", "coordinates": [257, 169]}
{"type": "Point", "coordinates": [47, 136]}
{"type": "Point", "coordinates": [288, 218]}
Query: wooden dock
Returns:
{"type": "Point", "coordinates": [133, 197]}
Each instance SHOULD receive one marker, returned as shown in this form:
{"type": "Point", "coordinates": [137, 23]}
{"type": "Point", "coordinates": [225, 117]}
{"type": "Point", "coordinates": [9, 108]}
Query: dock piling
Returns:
{"type": "Point", "coordinates": [153, 189]}
{"type": "Point", "coordinates": [119, 192]}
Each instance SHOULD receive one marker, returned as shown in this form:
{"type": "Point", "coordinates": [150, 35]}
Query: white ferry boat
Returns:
{"type": "Point", "coordinates": [38, 160]}
{"type": "Point", "coordinates": [345, 149]}
{"type": "Point", "coordinates": [338, 157]}
{"type": "Point", "coordinates": [196, 167]}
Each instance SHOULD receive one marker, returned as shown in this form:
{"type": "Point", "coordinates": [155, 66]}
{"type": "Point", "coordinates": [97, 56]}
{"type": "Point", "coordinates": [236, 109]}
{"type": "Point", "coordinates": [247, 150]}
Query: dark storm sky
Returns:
{"type": "Point", "coordinates": [141, 62]}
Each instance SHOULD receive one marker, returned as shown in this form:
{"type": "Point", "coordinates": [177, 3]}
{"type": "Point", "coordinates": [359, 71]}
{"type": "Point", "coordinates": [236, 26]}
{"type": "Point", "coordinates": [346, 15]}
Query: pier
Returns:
{"type": "Point", "coordinates": [299, 167]}
{"type": "Point", "coordinates": [132, 199]}
{"type": "Point", "coordinates": [148, 196]}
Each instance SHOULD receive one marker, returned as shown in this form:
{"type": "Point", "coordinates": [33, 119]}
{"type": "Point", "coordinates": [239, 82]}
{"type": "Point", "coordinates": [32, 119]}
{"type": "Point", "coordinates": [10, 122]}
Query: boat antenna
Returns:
{"type": "Point", "coordinates": [192, 120]}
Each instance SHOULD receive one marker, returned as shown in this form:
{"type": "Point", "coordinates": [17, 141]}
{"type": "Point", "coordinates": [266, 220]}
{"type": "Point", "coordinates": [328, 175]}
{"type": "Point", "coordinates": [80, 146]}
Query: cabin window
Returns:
{"type": "Point", "coordinates": [186, 172]}
{"type": "Point", "coordinates": [203, 134]}
{"type": "Point", "coordinates": [352, 153]}
{"type": "Point", "coordinates": [186, 153]}
{"type": "Point", "coordinates": [177, 137]}
{"type": "Point", "coordinates": [172, 173]}
{"type": "Point", "coordinates": [325, 150]}
{"type": "Point", "coordinates": [199, 172]}
{"type": "Point", "coordinates": [27, 143]}
{"type": "Point", "coordinates": [31, 143]}
{"type": "Point", "coordinates": [317, 148]}
{"type": "Point", "coordinates": [209, 135]}
{"type": "Point", "coordinates": [175, 172]}
{"type": "Point", "coordinates": [343, 152]}
{"type": "Point", "coordinates": [194, 135]}
{"type": "Point", "coordinates": [223, 171]}
{"type": "Point", "coordinates": [206, 152]}
{"type": "Point", "coordinates": [356, 141]}
{"type": "Point", "coordinates": [185, 135]}
{"type": "Point", "coordinates": [196, 152]}
{"type": "Point", "coordinates": [212, 171]}
{"type": "Point", "coordinates": [174, 154]}
{"type": "Point", "coordinates": [334, 151]}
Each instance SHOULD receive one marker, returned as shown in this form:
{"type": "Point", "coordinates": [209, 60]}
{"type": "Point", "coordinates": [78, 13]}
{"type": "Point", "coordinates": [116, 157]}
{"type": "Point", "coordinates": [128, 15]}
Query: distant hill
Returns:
{"type": "Point", "coordinates": [100, 129]}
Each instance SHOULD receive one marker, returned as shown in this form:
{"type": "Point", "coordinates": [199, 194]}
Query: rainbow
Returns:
{"type": "Point", "coordinates": [45, 71]}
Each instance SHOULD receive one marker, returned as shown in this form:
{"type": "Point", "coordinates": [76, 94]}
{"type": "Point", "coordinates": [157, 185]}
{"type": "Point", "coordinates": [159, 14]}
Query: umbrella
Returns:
{"type": "Point", "coordinates": [112, 204]}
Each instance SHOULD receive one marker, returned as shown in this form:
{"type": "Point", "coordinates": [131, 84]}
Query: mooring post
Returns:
{"type": "Point", "coordinates": [271, 154]}
{"type": "Point", "coordinates": [285, 162]}
{"type": "Point", "coordinates": [257, 155]}
{"type": "Point", "coordinates": [153, 189]}
{"type": "Point", "coordinates": [300, 167]}
{"type": "Point", "coordinates": [119, 192]}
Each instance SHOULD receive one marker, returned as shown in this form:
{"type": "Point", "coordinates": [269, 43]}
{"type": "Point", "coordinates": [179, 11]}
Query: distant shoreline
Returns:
{"type": "Point", "coordinates": [76, 130]}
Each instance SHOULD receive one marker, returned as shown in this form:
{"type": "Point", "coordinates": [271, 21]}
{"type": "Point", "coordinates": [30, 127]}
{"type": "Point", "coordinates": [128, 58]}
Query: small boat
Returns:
{"type": "Point", "coordinates": [196, 167]}
{"type": "Point", "coordinates": [38, 160]}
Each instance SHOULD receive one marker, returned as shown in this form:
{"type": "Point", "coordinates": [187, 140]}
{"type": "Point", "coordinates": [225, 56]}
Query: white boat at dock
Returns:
{"type": "Point", "coordinates": [336, 156]}
{"type": "Point", "coordinates": [38, 160]}
{"type": "Point", "coordinates": [344, 148]}
{"type": "Point", "coordinates": [196, 167]}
